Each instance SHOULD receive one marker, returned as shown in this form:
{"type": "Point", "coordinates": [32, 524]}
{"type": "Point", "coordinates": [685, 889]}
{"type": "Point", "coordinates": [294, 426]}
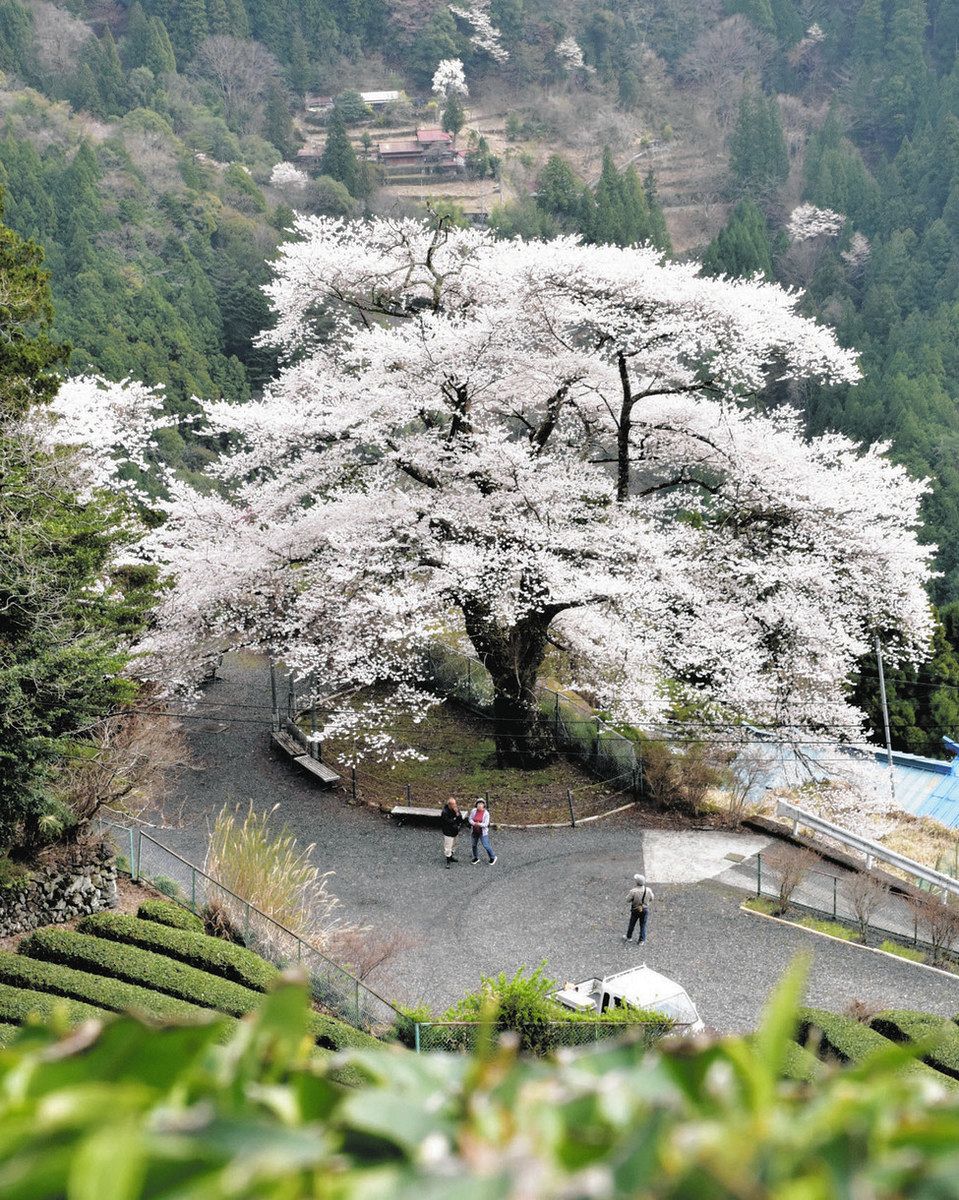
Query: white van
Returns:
{"type": "Point", "coordinates": [641, 987]}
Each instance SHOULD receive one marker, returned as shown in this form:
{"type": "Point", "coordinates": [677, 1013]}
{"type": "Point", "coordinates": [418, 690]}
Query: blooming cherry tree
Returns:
{"type": "Point", "coordinates": [536, 446]}
{"type": "Point", "coordinates": [807, 221]}
{"type": "Point", "coordinates": [449, 79]}
{"type": "Point", "coordinates": [288, 175]}
{"type": "Point", "coordinates": [485, 36]}
{"type": "Point", "coordinates": [570, 54]}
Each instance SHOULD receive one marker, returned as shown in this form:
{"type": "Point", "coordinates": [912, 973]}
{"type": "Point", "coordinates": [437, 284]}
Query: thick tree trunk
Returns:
{"type": "Point", "coordinates": [513, 657]}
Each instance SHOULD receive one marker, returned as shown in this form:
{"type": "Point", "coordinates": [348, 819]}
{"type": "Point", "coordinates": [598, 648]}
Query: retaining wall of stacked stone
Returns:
{"type": "Point", "coordinates": [57, 893]}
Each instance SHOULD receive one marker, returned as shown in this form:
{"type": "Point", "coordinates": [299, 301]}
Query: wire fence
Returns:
{"type": "Point", "coordinates": [826, 895]}
{"type": "Point", "coordinates": [331, 985]}
{"type": "Point", "coordinates": [463, 1037]}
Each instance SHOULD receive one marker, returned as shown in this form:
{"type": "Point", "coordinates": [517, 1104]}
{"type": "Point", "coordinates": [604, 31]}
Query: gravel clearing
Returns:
{"type": "Point", "coordinates": [557, 895]}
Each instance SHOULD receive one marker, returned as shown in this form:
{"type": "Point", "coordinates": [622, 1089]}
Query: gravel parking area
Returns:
{"type": "Point", "coordinates": [554, 895]}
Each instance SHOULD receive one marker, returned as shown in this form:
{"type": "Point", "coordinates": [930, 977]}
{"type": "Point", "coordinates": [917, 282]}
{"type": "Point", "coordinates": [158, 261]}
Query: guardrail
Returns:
{"type": "Point", "coordinates": [873, 851]}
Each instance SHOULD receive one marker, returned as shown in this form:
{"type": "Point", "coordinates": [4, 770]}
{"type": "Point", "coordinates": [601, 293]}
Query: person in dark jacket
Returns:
{"type": "Point", "coordinates": [451, 822]}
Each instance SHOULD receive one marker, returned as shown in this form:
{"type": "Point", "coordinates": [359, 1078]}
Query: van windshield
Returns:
{"type": "Point", "coordinates": [678, 1008]}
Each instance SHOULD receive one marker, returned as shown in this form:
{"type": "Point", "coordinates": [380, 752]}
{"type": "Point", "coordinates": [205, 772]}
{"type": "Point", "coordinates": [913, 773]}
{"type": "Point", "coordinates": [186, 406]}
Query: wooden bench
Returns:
{"type": "Point", "coordinates": [326, 775]}
{"type": "Point", "coordinates": [402, 813]}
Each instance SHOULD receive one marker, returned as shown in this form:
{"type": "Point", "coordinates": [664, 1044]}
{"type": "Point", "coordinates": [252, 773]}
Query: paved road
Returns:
{"type": "Point", "coordinates": [557, 895]}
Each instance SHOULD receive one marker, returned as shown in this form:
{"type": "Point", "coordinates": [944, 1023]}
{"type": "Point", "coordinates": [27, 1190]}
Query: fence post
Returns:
{"type": "Point", "coordinates": [469, 681]}
{"type": "Point", "coordinates": [759, 875]}
{"type": "Point", "coordinates": [353, 782]}
{"type": "Point", "coordinates": [356, 989]}
{"type": "Point", "coordinates": [193, 889]}
{"type": "Point", "coordinates": [133, 863]}
{"type": "Point", "coordinates": [416, 1036]}
{"type": "Point", "coordinates": [834, 882]}
{"type": "Point", "coordinates": [556, 717]}
{"type": "Point", "coordinates": [409, 795]}
{"type": "Point", "coordinates": [139, 853]}
{"type": "Point", "coordinates": [246, 925]}
{"type": "Point", "coordinates": [915, 931]}
{"type": "Point", "coordinates": [569, 801]}
{"type": "Point", "coordinates": [275, 712]}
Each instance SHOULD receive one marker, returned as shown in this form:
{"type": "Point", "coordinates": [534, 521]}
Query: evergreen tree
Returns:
{"type": "Point", "coordinates": [218, 18]}
{"type": "Point", "coordinates": [339, 157]}
{"type": "Point", "coordinates": [109, 75]}
{"type": "Point", "coordinates": [299, 69]}
{"type": "Point", "coordinates": [758, 155]}
{"type": "Point", "coordinates": [742, 247]}
{"type": "Point", "coordinates": [454, 115]}
{"type": "Point", "coordinates": [277, 122]}
{"type": "Point", "coordinates": [135, 47]}
{"type": "Point", "coordinates": [84, 94]}
{"type": "Point", "coordinates": [187, 28]}
{"type": "Point", "coordinates": [558, 191]}
{"type": "Point", "coordinates": [17, 40]}
{"type": "Point", "coordinates": [160, 58]}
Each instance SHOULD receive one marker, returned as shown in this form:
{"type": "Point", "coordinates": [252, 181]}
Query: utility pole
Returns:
{"type": "Point", "coordinates": [885, 719]}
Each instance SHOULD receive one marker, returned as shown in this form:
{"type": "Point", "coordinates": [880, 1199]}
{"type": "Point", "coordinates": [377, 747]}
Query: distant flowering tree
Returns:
{"type": "Point", "coordinates": [485, 35]}
{"type": "Point", "coordinates": [807, 221]}
{"type": "Point", "coordinates": [535, 445]}
{"type": "Point", "coordinates": [858, 253]}
{"type": "Point", "coordinates": [449, 79]}
{"type": "Point", "coordinates": [287, 175]}
{"type": "Point", "coordinates": [570, 54]}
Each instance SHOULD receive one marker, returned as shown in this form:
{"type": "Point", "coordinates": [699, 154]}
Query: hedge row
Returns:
{"type": "Point", "coordinates": [165, 912]}
{"type": "Point", "coordinates": [100, 990]}
{"type": "Point", "coordinates": [846, 1038]}
{"type": "Point", "coordinates": [801, 1064]}
{"type": "Point", "coordinates": [941, 1037]}
{"type": "Point", "coordinates": [18, 1004]}
{"type": "Point", "coordinates": [7, 1033]}
{"type": "Point", "coordinates": [165, 975]}
{"type": "Point", "coordinates": [142, 967]}
{"type": "Point", "coordinates": [211, 954]}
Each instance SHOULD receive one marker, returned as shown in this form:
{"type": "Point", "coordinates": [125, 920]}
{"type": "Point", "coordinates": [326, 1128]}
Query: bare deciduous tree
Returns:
{"type": "Point", "coordinates": [865, 893]}
{"type": "Point", "coordinates": [131, 756]}
{"type": "Point", "coordinates": [939, 922]}
{"type": "Point", "coordinates": [58, 37]}
{"type": "Point", "coordinates": [791, 864]}
{"type": "Point", "coordinates": [241, 72]}
{"type": "Point", "coordinates": [746, 773]}
{"type": "Point", "coordinates": [363, 952]}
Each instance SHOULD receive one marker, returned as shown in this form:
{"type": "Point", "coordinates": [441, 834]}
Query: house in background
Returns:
{"type": "Point", "coordinates": [430, 149]}
{"type": "Point", "coordinates": [379, 100]}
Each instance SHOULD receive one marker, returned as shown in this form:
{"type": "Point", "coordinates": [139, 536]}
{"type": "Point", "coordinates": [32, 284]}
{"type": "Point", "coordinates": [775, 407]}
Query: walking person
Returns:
{"type": "Point", "coordinates": [640, 898]}
{"type": "Point", "coordinates": [479, 831]}
{"type": "Point", "coordinates": [451, 822]}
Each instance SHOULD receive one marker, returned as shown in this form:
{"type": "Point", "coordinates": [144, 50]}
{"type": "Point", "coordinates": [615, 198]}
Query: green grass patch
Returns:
{"type": "Point", "coordinates": [17, 1005]}
{"type": "Point", "coordinates": [938, 1037]}
{"type": "Point", "coordinates": [909, 952]}
{"type": "Point", "coordinates": [761, 905]}
{"type": "Point", "coordinates": [833, 928]}
{"type": "Point", "coordinates": [165, 912]}
{"type": "Point", "coordinates": [210, 954]}
{"type": "Point", "coordinates": [100, 990]}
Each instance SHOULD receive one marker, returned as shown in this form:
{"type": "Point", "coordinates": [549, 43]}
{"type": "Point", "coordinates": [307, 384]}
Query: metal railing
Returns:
{"type": "Point", "coordinates": [331, 985]}
{"type": "Point", "coordinates": [462, 1037]}
{"type": "Point", "coordinates": [873, 851]}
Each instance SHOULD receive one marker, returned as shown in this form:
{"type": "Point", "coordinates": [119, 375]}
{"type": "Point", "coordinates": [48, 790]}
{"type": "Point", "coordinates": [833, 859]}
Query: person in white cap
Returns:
{"type": "Point", "coordinates": [640, 898]}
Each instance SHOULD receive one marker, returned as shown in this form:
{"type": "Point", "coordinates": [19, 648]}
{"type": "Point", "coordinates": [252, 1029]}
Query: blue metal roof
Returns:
{"type": "Point", "coordinates": [925, 787]}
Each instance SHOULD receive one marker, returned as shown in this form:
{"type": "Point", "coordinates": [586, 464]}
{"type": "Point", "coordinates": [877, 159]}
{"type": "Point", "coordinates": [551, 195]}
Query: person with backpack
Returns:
{"type": "Point", "coordinates": [479, 829]}
{"type": "Point", "coordinates": [640, 898]}
{"type": "Point", "coordinates": [451, 822]}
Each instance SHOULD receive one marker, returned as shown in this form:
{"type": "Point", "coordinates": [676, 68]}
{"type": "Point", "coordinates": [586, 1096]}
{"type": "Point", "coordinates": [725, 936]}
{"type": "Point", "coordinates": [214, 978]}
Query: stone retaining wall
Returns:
{"type": "Point", "coordinates": [54, 894]}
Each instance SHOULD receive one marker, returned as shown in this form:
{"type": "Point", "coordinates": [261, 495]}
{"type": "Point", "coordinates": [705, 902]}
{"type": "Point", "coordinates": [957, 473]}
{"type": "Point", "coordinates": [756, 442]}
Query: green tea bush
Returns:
{"type": "Point", "coordinates": [232, 962]}
{"type": "Point", "coordinates": [19, 1004]}
{"type": "Point", "coordinates": [938, 1038]}
{"type": "Point", "coordinates": [847, 1039]}
{"type": "Point", "coordinates": [100, 990]}
{"type": "Point", "coordinates": [259, 1120]}
{"type": "Point", "coordinates": [163, 912]}
{"type": "Point", "coordinates": [143, 967]}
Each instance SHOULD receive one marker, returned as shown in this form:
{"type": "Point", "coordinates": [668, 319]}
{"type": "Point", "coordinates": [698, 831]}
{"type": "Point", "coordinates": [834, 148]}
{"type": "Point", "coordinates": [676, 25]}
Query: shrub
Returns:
{"type": "Point", "coordinates": [410, 1016]}
{"type": "Point", "coordinates": [100, 990]}
{"type": "Point", "coordinates": [143, 967]}
{"type": "Point", "coordinates": [683, 778]}
{"type": "Point", "coordinates": [801, 1064]}
{"type": "Point", "coordinates": [791, 864]}
{"type": "Point", "coordinates": [844, 1038]}
{"type": "Point", "coordinates": [940, 923]}
{"type": "Point", "coordinates": [19, 1004]}
{"type": "Point", "coordinates": [174, 915]}
{"type": "Point", "coordinates": [833, 928]}
{"type": "Point", "coordinates": [169, 887]}
{"type": "Point", "coordinates": [198, 949]}
{"type": "Point", "coordinates": [149, 970]}
{"type": "Point", "coordinates": [939, 1037]}
{"type": "Point", "coordinates": [865, 893]}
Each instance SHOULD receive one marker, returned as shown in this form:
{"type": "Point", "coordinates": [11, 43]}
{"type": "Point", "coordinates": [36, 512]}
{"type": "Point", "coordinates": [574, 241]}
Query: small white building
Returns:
{"type": "Point", "coordinates": [379, 99]}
